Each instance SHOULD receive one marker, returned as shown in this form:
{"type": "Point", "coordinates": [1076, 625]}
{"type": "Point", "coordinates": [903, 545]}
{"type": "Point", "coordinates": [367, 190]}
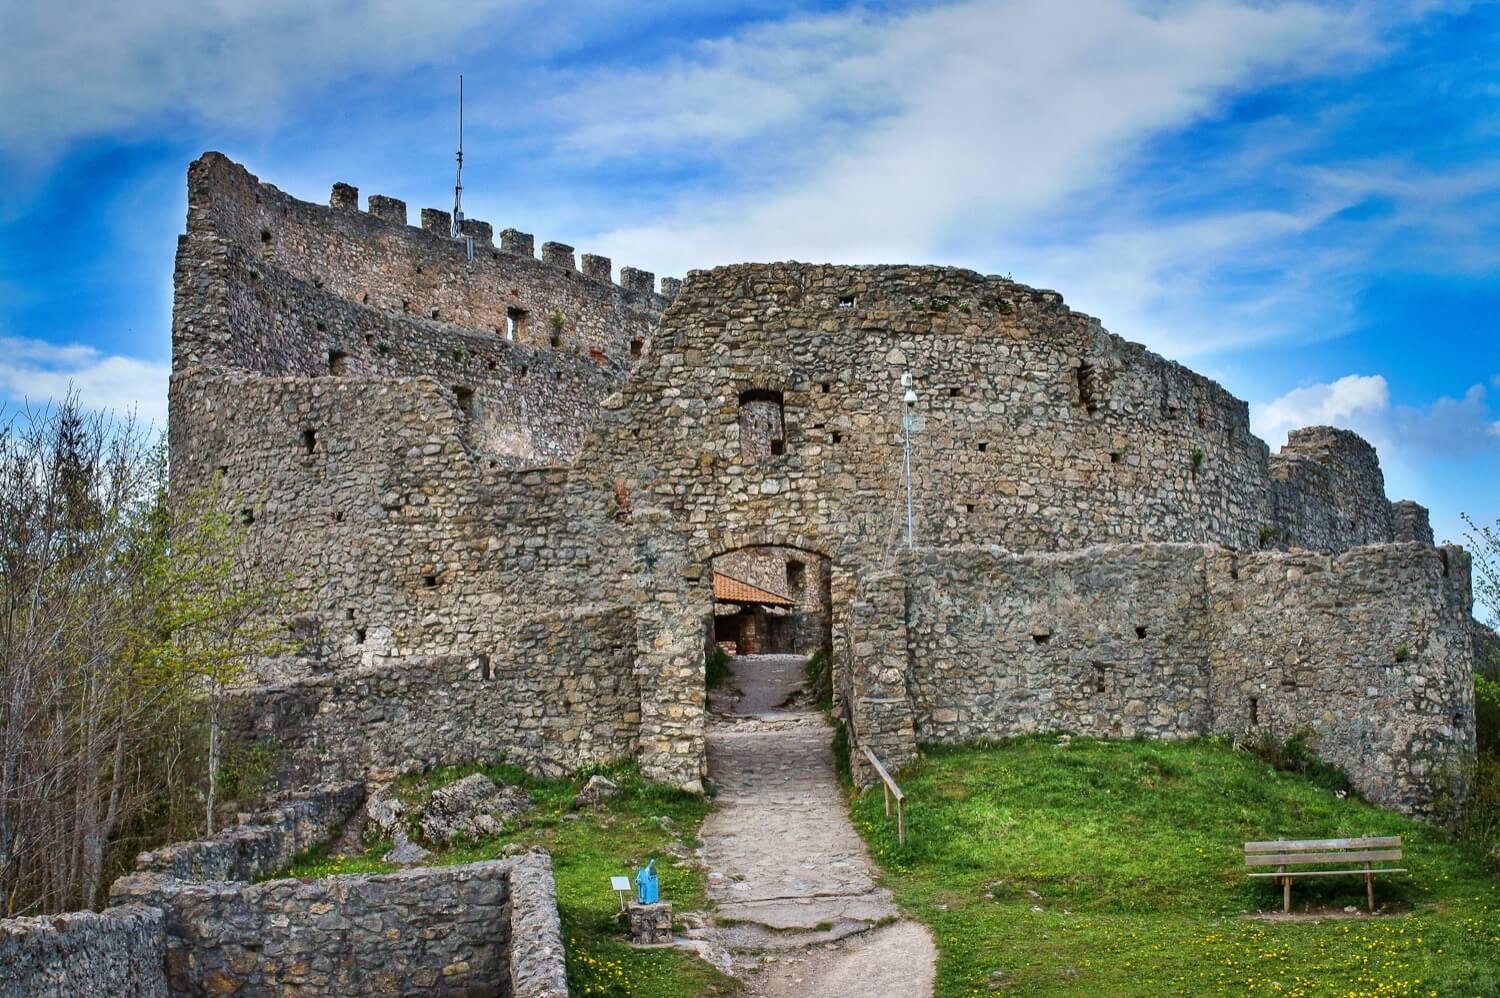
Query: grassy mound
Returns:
{"type": "Point", "coordinates": [587, 847]}
{"type": "Point", "coordinates": [1117, 868]}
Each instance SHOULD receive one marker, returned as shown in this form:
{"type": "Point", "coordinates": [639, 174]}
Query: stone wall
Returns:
{"type": "Point", "coordinates": [1368, 651]}
{"type": "Point", "coordinates": [83, 954]}
{"type": "Point", "coordinates": [559, 694]}
{"type": "Point", "coordinates": [394, 269]}
{"type": "Point", "coordinates": [480, 928]}
{"type": "Point", "coordinates": [262, 843]}
{"type": "Point", "coordinates": [383, 417]}
{"type": "Point", "coordinates": [1328, 494]}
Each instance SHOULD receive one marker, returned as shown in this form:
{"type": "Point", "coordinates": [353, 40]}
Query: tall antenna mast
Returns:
{"type": "Point", "coordinates": [458, 178]}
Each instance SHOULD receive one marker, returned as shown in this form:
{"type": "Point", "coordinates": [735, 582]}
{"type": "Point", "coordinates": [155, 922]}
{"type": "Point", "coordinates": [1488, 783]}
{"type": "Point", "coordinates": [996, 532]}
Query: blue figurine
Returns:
{"type": "Point", "coordinates": [645, 884]}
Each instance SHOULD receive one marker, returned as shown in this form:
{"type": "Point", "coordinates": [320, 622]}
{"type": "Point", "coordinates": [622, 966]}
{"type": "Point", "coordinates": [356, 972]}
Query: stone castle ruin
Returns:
{"type": "Point", "coordinates": [504, 485]}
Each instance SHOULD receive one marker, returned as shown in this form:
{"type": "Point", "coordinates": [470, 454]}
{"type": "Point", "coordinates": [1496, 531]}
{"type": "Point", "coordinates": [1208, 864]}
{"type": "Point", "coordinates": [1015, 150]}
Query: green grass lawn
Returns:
{"type": "Point", "coordinates": [587, 848]}
{"type": "Point", "coordinates": [1117, 868]}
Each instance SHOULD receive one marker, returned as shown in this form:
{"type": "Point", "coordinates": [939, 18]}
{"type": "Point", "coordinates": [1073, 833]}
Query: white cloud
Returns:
{"type": "Point", "coordinates": [35, 372]}
{"type": "Point", "coordinates": [100, 65]}
{"type": "Point", "coordinates": [976, 116]}
{"type": "Point", "coordinates": [1354, 402]}
{"type": "Point", "coordinates": [1447, 428]}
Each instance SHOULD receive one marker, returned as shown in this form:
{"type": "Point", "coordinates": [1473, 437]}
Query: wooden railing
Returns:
{"type": "Point", "coordinates": [891, 790]}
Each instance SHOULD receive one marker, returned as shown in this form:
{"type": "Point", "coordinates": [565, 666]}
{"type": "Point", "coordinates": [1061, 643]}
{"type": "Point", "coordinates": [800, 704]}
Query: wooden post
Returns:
{"type": "Point", "coordinates": [887, 791]}
{"type": "Point", "coordinates": [901, 822]}
{"type": "Point", "coordinates": [1286, 891]}
{"type": "Point", "coordinates": [1370, 888]}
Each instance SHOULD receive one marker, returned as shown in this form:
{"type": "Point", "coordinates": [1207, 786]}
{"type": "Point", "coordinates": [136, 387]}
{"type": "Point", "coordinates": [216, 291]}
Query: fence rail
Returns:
{"type": "Point", "coordinates": [888, 785]}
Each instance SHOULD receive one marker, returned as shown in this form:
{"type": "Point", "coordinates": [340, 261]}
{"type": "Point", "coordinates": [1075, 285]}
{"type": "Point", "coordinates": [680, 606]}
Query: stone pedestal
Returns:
{"type": "Point", "coordinates": [650, 923]}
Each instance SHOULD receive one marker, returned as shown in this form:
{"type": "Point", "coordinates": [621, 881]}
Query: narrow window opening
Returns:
{"type": "Point", "coordinates": [1443, 557]}
{"type": "Point", "coordinates": [338, 362]}
{"type": "Point", "coordinates": [406, 304]}
{"type": "Point", "coordinates": [968, 507]}
{"type": "Point", "coordinates": [1202, 419]}
{"type": "Point", "coordinates": [1140, 630]}
{"type": "Point", "coordinates": [433, 314]}
{"type": "Point", "coordinates": [465, 398]}
{"type": "Point", "coordinates": [1099, 678]}
{"type": "Point", "coordinates": [265, 235]}
{"type": "Point", "coordinates": [369, 339]}
{"type": "Point", "coordinates": [359, 635]}
{"type": "Point", "coordinates": [309, 441]}
{"type": "Point", "coordinates": [491, 365]}
{"type": "Point", "coordinates": [349, 614]}
{"type": "Point", "coordinates": [364, 297]}
{"type": "Point", "coordinates": [846, 301]}
{"type": "Point", "coordinates": [557, 376]}
{"type": "Point", "coordinates": [796, 575]}
{"type": "Point", "coordinates": [419, 268]}
{"type": "Point", "coordinates": [484, 668]}
{"type": "Point", "coordinates": [762, 424]}
{"type": "Point", "coordinates": [635, 347]}
{"type": "Point", "coordinates": [555, 340]}
{"type": "Point", "coordinates": [338, 516]}
{"type": "Point", "coordinates": [1088, 387]}
{"type": "Point", "coordinates": [838, 437]}
{"type": "Point", "coordinates": [1254, 710]}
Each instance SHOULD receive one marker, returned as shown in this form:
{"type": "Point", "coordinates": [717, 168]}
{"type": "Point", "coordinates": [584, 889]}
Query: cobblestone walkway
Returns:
{"type": "Point", "coordinates": [795, 900]}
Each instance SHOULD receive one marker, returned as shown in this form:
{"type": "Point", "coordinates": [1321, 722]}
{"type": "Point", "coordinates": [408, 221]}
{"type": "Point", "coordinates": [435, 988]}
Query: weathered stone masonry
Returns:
{"type": "Point", "coordinates": [456, 523]}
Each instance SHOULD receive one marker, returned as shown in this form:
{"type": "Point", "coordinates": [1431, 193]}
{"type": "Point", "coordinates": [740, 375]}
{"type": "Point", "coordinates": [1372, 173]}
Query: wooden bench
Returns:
{"type": "Point", "coordinates": [1284, 853]}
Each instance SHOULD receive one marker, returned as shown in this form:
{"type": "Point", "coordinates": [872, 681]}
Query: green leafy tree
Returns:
{"type": "Point", "coordinates": [123, 622]}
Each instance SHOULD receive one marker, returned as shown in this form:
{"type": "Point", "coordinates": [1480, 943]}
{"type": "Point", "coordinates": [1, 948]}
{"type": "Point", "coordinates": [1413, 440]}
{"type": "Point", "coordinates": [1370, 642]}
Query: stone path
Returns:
{"type": "Point", "coordinates": [796, 904]}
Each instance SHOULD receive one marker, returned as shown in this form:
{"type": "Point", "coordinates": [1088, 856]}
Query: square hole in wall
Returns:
{"type": "Point", "coordinates": [338, 516]}
{"type": "Point", "coordinates": [430, 581]}
{"type": "Point", "coordinates": [827, 387]}
{"type": "Point", "coordinates": [778, 446]}
{"type": "Point", "coordinates": [247, 516]}
{"type": "Point", "coordinates": [1041, 636]}
{"type": "Point", "coordinates": [338, 362]}
{"type": "Point", "coordinates": [359, 635]}
{"type": "Point", "coordinates": [846, 301]}
{"type": "Point", "coordinates": [222, 470]}
{"type": "Point", "coordinates": [465, 398]}
{"type": "Point", "coordinates": [838, 438]}
{"type": "Point", "coordinates": [983, 448]}
{"type": "Point", "coordinates": [968, 507]}
{"type": "Point", "coordinates": [1116, 457]}
{"type": "Point", "coordinates": [1140, 630]}
{"type": "Point", "coordinates": [321, 326]}
{"type": "Point", "coordinates": [636, 346]}
{"type": "Point", "coordinates": [485, 670]}
{"type": "Point", "coordinates": [309, 441]}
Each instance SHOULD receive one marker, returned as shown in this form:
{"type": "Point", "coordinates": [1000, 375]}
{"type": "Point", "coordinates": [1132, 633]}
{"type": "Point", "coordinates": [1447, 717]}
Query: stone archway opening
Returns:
{"type": "Point", "coordinates": [771, 611]}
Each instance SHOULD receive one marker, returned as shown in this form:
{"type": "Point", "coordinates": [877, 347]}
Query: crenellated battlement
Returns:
{"type": "Point", "coordinates": [392, 211]}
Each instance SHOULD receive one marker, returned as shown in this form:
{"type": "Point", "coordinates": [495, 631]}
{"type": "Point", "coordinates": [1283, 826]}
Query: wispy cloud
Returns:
{"type": "Point", "coordinates": [95, 66]}
{"type": "Point", "coordinates": [33, 371]}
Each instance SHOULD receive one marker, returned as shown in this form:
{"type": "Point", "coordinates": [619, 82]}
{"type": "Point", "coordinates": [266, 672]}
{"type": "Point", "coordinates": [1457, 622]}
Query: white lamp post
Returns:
{"type": "Point", "coordinates": [907, 413]}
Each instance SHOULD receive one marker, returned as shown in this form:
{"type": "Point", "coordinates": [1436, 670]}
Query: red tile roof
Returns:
{"type": "Point", "coordinates": [732, 590]}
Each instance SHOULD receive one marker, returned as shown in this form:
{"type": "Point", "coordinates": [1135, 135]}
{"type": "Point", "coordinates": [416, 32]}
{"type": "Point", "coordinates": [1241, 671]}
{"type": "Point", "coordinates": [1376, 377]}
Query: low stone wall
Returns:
{"type": "Point", "coordinates": [561, 694]}
{"type": "Point", "coordinates": [263, 843]}
{"type": "Point", "coordinates": [487, 928]}
{"type": "Point", "coordinates": [1371, 651]}
{"type": "Point", "coordinates": [119, 951]}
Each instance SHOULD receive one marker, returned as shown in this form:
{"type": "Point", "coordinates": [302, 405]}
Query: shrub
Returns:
{"type": "Point", "coordinates": [1297, 755]}
{"type": "Point", "coordinates": [817, 675]}
{"type": "Point", "coordinates": [716, 671]}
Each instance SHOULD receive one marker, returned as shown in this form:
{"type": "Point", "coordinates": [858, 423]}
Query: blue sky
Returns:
{"type": "Point", "coordinates": [1300, 200]}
